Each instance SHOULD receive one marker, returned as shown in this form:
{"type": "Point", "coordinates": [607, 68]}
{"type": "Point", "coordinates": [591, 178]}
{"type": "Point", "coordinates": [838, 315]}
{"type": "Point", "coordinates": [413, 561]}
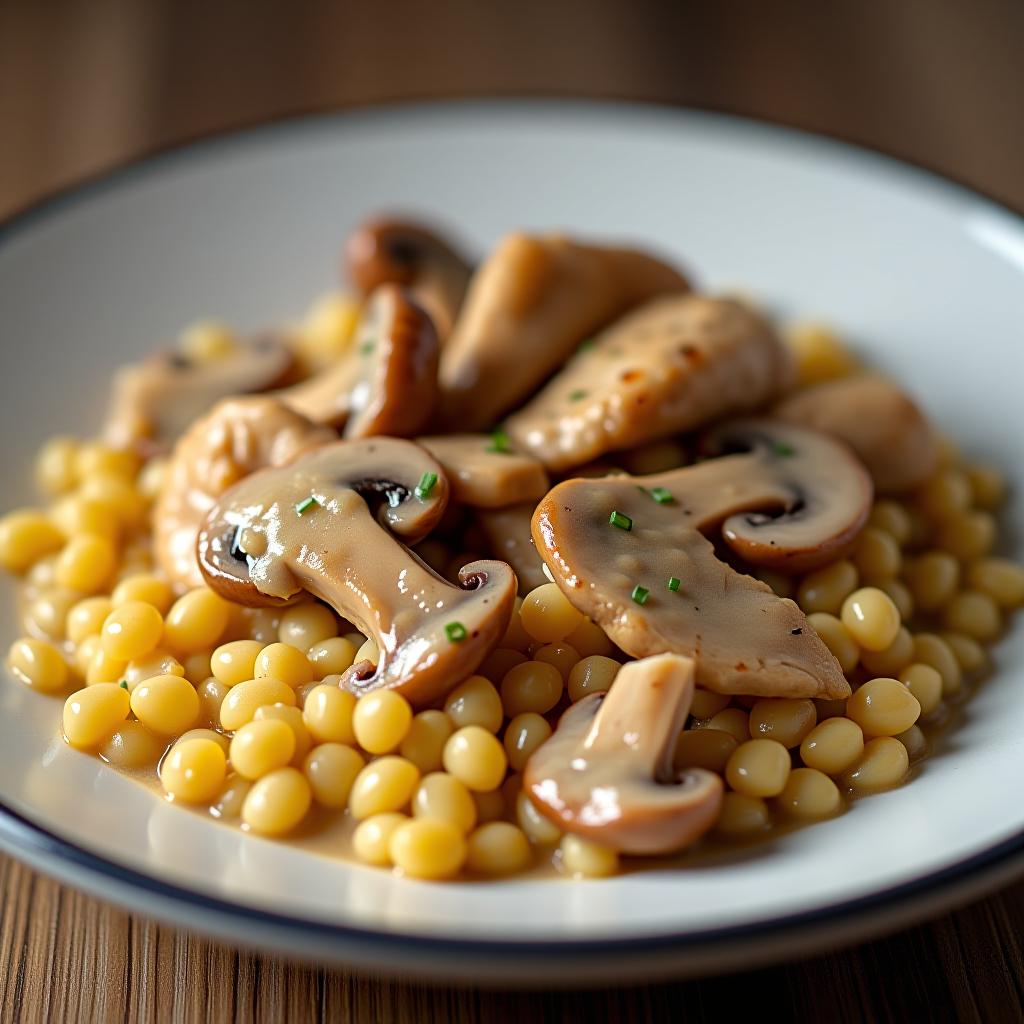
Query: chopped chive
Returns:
{"type": "Point", "coordinates": [575, 396]}
{"type": "Point", "coordinates": [455, 631]}
{"type": "Point", "coordinates": [426, 485]}
{"type": "Point", "coordinates": [783, 449]}
{"type": "Point", "coordinates": [662, 496]}
{"type": "Point", "coordinates": [306, 504]}
{"type": "Point", "coordinates": [621, 521]}
{"type": "Point", "coordinates": [640, 594]}
{"type": "Point", "coordinates": [673, 583]}
{"type": "Point", "coordinates": [366, 348]}
{"type": "Point", "coordinates": [499, 442]}
{"type": "Point", "coordinates": [585, 346]}
{"type": "Point", "coordinates": [123, 684]}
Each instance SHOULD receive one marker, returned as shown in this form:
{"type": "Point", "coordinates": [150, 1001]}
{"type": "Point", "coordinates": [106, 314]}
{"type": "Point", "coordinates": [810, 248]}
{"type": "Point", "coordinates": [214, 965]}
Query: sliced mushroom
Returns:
{"type": "Point", "coordinates": [676, 363]}
{"type": "Point", "coordinates": [385, 382]}
{"type": "Point", "coordinates": [309, 527]}
{"type": "Point", "coordinates": [401, 252]}
{"type": "Point", "coordinates": [606, 773]}
{"type": "Point", "coordinates": [239, 436]}
{"type": "Point", "coordinates": [528, 308]}
{"type": "Point", "coordinates": [631, 553]}
{"type": "Point", "coordinates": [484, 472]}
{"type": "Point", "coordinates": [155, 401]}
{"type": "Point", "coordinates": [508, 530]}
{"type": "Point", "coordinates": [881, 423]}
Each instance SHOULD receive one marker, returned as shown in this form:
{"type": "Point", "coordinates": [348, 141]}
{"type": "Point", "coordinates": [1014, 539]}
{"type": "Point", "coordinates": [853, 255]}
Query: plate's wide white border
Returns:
{"type": "Point", "coordinates": [801, 181]}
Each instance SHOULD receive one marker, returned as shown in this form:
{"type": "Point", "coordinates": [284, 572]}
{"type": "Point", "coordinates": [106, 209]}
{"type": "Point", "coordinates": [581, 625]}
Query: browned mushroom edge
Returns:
{"type": "Point", "coordinates": [236, 438]}
{"type": "Point", "coordinates": [674, 364]}
{"type": "Point", "coordinates": [606, 773]}
{"type": "Point", "coordinates": [632, 554]}
{"type": "Point", "coordinates": [392, 251]}
{"type": "Point", "coordinates": [880, 422]}
{"type": "Point", "coordinates": [155, 401]}
{"type": "Point", "coordinates": [309, 526]}
{"type": "Point", "coordinates": [528, 308]}
{"type": "Point", "coordinates": [386, 380]}
{"type": "Point", "coordinates": [485, 472]}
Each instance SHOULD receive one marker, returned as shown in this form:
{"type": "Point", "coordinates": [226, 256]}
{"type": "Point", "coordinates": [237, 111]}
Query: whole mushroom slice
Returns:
{"type": "Point", "coordinates": [508, 530]}
{"type": "Point", "coordinates": [675, 364]}
{"type": "Point", "coordinates": [385, 382]}
{"type": "Point", "coordinates": [392, 251]}
{"type": "Point", "coordinates": [310, 527]}
{"type": "Point", "coordinates": [154, 401]}
{"type": "Point", "coordinates": [632, 554]}
{"type": "Point", "coordinates": [484, 472]}
{"type": "Point", "coordinates": [606, 773]}
{"type": "Point", "coordinates": [528, 308]}
{"type": "Point", "coordinates": [236, 438]}
{"type": "Point", "coordinates": [882, 424]}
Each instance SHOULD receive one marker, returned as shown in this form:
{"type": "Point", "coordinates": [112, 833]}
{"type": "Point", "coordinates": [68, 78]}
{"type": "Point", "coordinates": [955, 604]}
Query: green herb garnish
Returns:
{"type": "Point", "coordinates": [367, 347]}
{"type": "Point", "coordinates": [425, 486]}
{"type": "Point", "coordinates": [783, 449]}
{"type": "Point", "coordinates": [586, 346]}
{"type": "Point", "coordinates": [499, 442]}
{"type": "Point", "coordinates": [456, 632]}
{"type": "Point", "coordinates": [621, 521]}
{"type": "Point", "coordinates": [662, 496]}
{"type": "Point", "coordinates": [575, 396]}
{"type": "Point", "coordinates": [306, 504]}
{"type": "Point", "coordinates": [123, 684]}
{"type": "Point", "coordinates": [640, 594]}
{"type": "Point", "coordinates": [673, 583]}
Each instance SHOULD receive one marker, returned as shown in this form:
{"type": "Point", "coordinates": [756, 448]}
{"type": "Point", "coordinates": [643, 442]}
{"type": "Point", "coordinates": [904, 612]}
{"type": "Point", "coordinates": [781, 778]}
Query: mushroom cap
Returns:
{"type": "Point", "coordinates": [676, 363]}
{"type": "Point", "coordinates": [881, 423]}
{"type": "Point", "coordinates": [606, 772]}
{"type": "Point", "coordinates": [385, 382]}
{"type": "Point", "coordinates": [790, 497]}
{"type": "Point", "coordinates": [508, 531]}
{"type": "Point", "coordinates": [310, 527]}
{"type": "Point", "coordinates": [394, 251]}
{"type": "Point", "coordinates": [527, 309]}
{"type": "Point", "coordinates": [155, 401]}
{"type": "Point", "coordinates": [484, 477]}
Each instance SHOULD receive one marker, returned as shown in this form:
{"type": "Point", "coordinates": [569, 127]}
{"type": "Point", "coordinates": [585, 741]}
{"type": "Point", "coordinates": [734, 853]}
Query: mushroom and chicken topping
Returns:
{"type": "Point", "coordinates": [536, 558]}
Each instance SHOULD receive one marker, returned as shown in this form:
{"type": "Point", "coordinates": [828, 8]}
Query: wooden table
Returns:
{"type": "Point", "coordinates": [85, 87]}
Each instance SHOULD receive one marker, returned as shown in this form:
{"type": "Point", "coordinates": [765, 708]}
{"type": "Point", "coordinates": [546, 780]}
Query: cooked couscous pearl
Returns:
{"type": "Point", "coordinates": [26, 537]}
{"type": "Point", "coordinates": [825, 589]}
{"type": "Point", "coordinates": [277, 802]}
{"type": "Point", "coordinates": [933, 579]}
{"type": "Point", "coordinates": [915, 741]}
{"type": "Point", "coordinates": [425, 740]}
{"type": "Point", "coordinates": [538, 828]}
{"type": "Point", "coordinates": [498, 663]}
{"type": "Point", "coordinates": [547, 615]}
{"type": "Point", "coordinates": [211, 697]}
{"type": "Point", "coordinates": [934, 651]}
{"type": "Point", "coordinates": [836, 638]}
{"type": "Point", "coordinates": [307, 624]}
{"type": "Point", "coordinates": [809, 795]}
{"type": "Point", "coordinates": [967, 535]}
{"type": "Point", "coordinates": [371, 837]}
{"type": "Point", "coordinates": [1000, 579]}
{"type": "Point", "coordinates": [94, 458]}
{"type": "Point", "coordinates": [925, 683]}
{"type": "Point", "coordinates": [883, 764]}
{"type": "Point", "coordinates": [332, 769]}
{"type": "Point", "coordinates": [893, 659]}
{"type": "Point", "coordinates": [786, 720]}
{"type": "Point", "coordinates": [819, 354]}
{"type": "Point", "coordinates": [86, 563]}
{"type": "Point", "coordinates": [833, 746]}
{"type": "Point", "coordinates": [742, 816]}
{"type": "Point", "coordinates": [583, 858]}
{"type": "Point", "coordinates": [56, 465]}
{"type": "Point", "coordinates": [705, 703]}
{"type": "Point", "coordinates": [489, 806]}
{"type": "Point", "coordinates": [498, 848]}
{"type": "Point", "coordinates": [592, 674]}
{"type": "Point", "coordinates": [131, 630]}
{"type": "Point", "coordinates": [144, 587]}
{"type": "Point", "coordinates": [222, 741]}
{"type": "Point", "coordinates": [239, 704]}
{"type": "Point", "coordinates": [734, 721]}
{"type": "Point", "coordinates": [944, 494]}
{"type": "Point", "coordinates": [476, 758]}
{"type": "Point", "coordinates": [48, 613]}
{"type": "Point", "coordinates": [328, 712]}
{"type": "Point", "coordinates": [445, 798]}
{"type": "Point", "coordinates": [758, 768]}
{"type": "Point", "coordinates": [194, 771]}
{"type": "Point", "coordinates": [892, 517]}
{"type": "Point", "coordinates": [292, 717]}
{"type": "Point", "coordinates": [427, 848]}
{"type": "Point", "coordinates": [532, 686]}
{"type": "Point", "coordinates": [195, 621]}
{"type": "Point", "coordinates": [381, 721]}
{"type": "Point", "coordinates": [92, 714]}
{"type": "Point", "coordinates": [475, 702]}
{"type": "Point", "coordinates": [561, 655]}
{"type": "Point", "coordinates": [286, 663]}
{"type": "Point", "coordinates": [235, 662]}
{"type": "Point", "coordinates": [883, 707]}
{"type": "Point", "coordinates": [988, 487]}
{"type": "Point", "coordinates": [132, 745]}
{"type": "Point", "coordinates": [871, 618]}
{"type": "Point", "coordinates": [523, 735]}
{"type": "Point", "coordinates": [86, 618]}
{"type": "Point", "coordinates": [974, 613]}
{"type": "Point", "coordinates": [589, 639]}
{"type": "Point", "coordinates": [38, 664]}
{"type": "Point", "coordinates": [229, 801]}
{"type": "Point", "coordinates": [156, 663]}
{"type": "Point", "coordinates": [260, 747]}
{"type": "Point", "coordinates": [105, 669]}
{"type": "Point", "coordinates": [968, 652]}
{"type": "Point", "coordinates": [77, 515]}
{"type": "Point", "coordinates": [901, 596]}
{"type": "Point", "coordinates": [166, 704]}
{"type": "Point", "coordinates": [386, 784]}
{"type": "Point", "coordinates": [332, 656]}
{"type": "Point", "coordinates": [704, 748]}
{"type": "Point", "coordinates": [877, 556]}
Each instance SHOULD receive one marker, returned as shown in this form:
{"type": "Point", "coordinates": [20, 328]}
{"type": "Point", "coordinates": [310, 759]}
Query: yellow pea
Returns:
{"type": "Point", "coordinates": [92, 714]}
{"type": "Point", "coordinates": [166, 704]}
{"type": "Point", "coordinates": [194, 771]}
{"type": "Point", "coordinates": [239, 704]}
{"type": "Point", "coordinates": [277, 802]}
{"type": "Point", "coordinates": [427, 848]}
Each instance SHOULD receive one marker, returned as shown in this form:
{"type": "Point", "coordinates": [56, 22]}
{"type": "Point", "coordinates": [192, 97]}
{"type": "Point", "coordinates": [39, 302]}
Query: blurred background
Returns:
{"type": "Point", "coordinates": [85, 86]}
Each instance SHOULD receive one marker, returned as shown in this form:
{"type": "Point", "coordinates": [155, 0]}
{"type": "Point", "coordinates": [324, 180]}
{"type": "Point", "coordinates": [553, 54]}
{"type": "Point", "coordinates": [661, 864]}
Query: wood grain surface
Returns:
{"type": "Point", "coordinates": [85, 86]}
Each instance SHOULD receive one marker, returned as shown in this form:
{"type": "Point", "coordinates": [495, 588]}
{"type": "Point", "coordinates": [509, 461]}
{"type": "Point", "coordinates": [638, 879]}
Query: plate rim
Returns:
{"type": "Point", "coordinates": [501, 959]}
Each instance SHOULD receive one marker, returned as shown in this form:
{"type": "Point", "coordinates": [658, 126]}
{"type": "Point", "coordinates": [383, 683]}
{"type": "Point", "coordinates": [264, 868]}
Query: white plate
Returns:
{"type": "Point", "coordinates": [925, 276]}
